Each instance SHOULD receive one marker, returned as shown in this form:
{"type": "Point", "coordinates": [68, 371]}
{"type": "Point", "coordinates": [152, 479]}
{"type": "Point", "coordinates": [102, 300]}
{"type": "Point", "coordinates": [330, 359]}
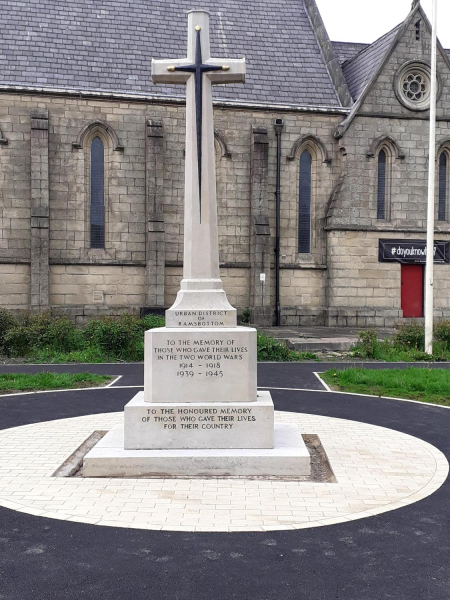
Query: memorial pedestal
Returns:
{"type": "Point", "coordinates": [288, 458]}
{"type": "Point", "coordinates": [199, 425]}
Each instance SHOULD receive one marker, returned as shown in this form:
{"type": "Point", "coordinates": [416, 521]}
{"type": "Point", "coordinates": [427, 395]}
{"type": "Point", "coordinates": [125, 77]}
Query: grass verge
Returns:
{"type": "Point", "coordinates": [425, 385]}
{"type": "Point", "coordinates": [24, 382]}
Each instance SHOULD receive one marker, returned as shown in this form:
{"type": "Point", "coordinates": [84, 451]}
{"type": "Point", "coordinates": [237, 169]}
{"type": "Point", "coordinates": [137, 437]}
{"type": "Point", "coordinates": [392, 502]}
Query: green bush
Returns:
{"type": "Point", "coordinates": [410, 337]}
{"type": "Point", "coordinates": [442, 334]}
{"type": "Point", "coordinates": [368, 344]}
{"type": "Point", "coordinates": [118, 338]}
{"type": "Point", "coordinates": [271, 350]}
{"type": "Point", "coordinates": [47, 338]}
{"type": "Point", "coordinates": [246, 317]}
{"type": "Point", "coordinates": [121, 338]}
{"type": "Point", "coordinates": [151, 322]}
{"type": "Point", "coordinates": [7, 322]}
{"type": "Point", "coordinates": [37, 332]}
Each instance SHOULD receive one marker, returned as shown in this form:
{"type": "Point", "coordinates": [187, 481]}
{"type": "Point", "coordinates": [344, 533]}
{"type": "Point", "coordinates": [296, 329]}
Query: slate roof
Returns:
{"type": "Point", "coordinates": [347, 50]}
{"type": "Point", "coordinates": [359, 70]}
{"type": "Point", "coordinates": [107, 45]}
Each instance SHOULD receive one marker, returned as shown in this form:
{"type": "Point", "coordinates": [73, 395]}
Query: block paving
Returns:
{"type": "Point", "coordinates": [377, 470]}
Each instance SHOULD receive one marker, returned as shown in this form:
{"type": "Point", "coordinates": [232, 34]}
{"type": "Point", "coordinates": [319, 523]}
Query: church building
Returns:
{"type": "Point", "coordinates": [321, 159]}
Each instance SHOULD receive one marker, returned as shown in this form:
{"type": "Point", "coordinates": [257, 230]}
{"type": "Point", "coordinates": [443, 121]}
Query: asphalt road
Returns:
{"type": "Point", "coordinates": [401, 555]}
{"type": "Point", "coordinates": [293, 375]}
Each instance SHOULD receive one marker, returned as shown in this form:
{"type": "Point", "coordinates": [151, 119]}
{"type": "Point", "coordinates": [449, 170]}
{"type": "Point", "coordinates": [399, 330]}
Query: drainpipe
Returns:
{"type": "Point", "coordinates": [278, 124]}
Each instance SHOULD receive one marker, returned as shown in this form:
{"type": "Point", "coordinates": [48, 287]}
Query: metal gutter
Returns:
{"type": "Point", "coordinates": [161, 99]}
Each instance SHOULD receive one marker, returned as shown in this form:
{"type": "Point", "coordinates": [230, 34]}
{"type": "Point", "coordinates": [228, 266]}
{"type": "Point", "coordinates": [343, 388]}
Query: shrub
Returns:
{"type": "Point", "coordinates": [270, 349]}
{"type": "Point", "coordinates": [442, 333]}
{"type": "Point", "coordinates": [368, 344]}
{"type": "Point", "coordinates": [246, 316]}
{"type": "Point", "coordinates": [117, 337]}
{"type": "Point", "coordinates": [40, 332]}
{"type": "Point", "coordinates": [151, 322]}
{"type": "Point", "coordinates": [410, 337]}
{"type": "Point", "coordinates": [7, 322]}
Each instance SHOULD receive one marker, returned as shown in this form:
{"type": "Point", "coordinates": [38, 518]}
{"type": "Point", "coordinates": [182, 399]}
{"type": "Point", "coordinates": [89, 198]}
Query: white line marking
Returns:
{"type": "Point", "coordinates": [322, 381]}
{"type": "Point", "coordinates": [265, 387]}
{"type": "Point", "coordinates": [354, 394]}
{"type": "Point", "coordinates": [387, 398]}
{"type": "Point", "coordinates": [103, 387]}
{"type": "Point", "coordinates": [114, 381]}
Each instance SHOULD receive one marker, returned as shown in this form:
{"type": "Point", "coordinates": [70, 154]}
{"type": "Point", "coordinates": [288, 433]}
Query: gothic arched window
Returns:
{"type": "Point", "coordinates": [443, 186]}
{"type": "Point", "coordinates": [97, 200]}
{"type": "Point", "coordinates": [304, 203]}
{"type": "Point", "coordinates": [383, 184]}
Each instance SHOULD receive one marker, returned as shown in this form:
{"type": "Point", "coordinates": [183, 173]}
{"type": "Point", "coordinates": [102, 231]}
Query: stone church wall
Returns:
{"type": "Point", "coordinates": [362, 291]}
{"type": "Point", "coordinates": [45, 215]}
{"type": "Point", "coordinates": [44, 192]}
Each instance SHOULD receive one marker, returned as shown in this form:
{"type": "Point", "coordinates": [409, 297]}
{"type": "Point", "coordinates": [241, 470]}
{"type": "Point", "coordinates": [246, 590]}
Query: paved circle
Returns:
{"type": "Point", "coordinates": [399, 555]}
{"type": "Point", "coordinates": [377, 470]}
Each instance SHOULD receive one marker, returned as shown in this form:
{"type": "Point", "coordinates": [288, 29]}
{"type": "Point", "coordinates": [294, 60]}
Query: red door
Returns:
{"type": "Point", "coordinates": [412, 291]}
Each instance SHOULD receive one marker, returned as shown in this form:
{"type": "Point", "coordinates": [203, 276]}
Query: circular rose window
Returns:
{"type": "Point", "coordinates": [413, 86]}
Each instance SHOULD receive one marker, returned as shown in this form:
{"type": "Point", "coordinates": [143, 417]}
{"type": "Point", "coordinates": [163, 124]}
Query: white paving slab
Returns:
{"type": "Point", "coordinates": [377, 470]}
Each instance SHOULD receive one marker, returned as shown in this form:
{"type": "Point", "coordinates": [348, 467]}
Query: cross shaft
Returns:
{"type": "Point", "coordinates": [199, 72]}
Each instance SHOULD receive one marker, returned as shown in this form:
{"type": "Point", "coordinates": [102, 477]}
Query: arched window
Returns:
{"type": "Point", "coordinates": [383, 185]}
{"type": "Point", "coordinates": [97, 202]}
{"type": "Point", "coordinates": [304, 203]}
{"type": "Point", "coordinates": [443, 186]}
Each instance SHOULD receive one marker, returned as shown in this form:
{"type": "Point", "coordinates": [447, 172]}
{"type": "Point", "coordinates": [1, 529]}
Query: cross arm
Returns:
{"type": "Point", "coordinates": [233, 70]}
{"type": "Point", "coordinates": [163, 71]}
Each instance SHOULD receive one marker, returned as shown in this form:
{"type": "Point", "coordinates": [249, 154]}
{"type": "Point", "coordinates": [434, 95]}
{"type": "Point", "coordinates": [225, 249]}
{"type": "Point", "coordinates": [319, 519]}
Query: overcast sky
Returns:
{"type": "Point", "coordinates": [367, 20]}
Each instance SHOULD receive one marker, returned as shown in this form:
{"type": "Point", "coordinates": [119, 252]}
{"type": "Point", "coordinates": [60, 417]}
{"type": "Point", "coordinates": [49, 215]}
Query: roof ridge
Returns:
{"type": "Point", "coordinates": [351, 43]}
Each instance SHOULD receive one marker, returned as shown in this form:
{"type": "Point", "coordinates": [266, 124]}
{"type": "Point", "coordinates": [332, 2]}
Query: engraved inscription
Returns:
{"type": "Point", "coordinates": [204, 358]}
{"type": "Point", "coordinates": [200, 318]}
{"type": "Point", "coordinates": [198, 418]}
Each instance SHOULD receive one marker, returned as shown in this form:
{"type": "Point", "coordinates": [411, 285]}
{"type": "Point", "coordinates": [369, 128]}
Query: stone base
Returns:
{"type": "Point", "coordinates": [153, 426]}
{"type": "Point", "coordinates": [201, 303]}
{"type": "Point", "coordinates": [288, 458]}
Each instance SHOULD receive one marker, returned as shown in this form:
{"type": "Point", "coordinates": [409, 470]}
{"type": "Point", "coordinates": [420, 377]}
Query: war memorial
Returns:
{"type": "Point", "coordinates": [207, 472]}
{"type": "Point", "coordinates": [200, 412]}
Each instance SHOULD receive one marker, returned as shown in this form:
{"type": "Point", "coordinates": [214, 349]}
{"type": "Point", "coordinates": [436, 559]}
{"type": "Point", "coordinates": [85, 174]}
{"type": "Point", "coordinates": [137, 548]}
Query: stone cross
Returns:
{"type": "Point", "coordinates": [201, 245]}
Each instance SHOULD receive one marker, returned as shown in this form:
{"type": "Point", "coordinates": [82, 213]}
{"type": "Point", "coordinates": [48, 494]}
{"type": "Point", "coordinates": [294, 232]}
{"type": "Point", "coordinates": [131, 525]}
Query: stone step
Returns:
{"type": "Point", "coordinates": [320, 344]}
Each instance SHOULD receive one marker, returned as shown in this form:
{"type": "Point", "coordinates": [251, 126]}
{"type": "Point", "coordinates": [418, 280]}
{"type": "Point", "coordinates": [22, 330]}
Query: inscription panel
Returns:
{"type": "Point", "coordinates": [219, 425]}
{"type": "Point", "coordinates": [207, 365]}
{"type": "Point", "coordinates": [200, 318]}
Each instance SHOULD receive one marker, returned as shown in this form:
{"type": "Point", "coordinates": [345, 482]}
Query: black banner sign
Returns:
{"type": "Point", "coordinates": [412, 251]}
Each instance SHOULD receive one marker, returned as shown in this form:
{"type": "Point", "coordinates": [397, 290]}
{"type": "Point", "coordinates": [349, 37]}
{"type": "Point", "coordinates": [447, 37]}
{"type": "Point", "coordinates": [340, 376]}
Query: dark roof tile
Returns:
{"type": "Point", "coordinates": [94, 45]}
{"type": "Point", "coordinates": [359, 70]}
{"type": "Point", "coordinates": [347, 50]}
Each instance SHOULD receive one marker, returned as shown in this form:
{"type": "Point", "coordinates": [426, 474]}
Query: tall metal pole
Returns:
{"type": "Point", "coordinates": [429, 290]}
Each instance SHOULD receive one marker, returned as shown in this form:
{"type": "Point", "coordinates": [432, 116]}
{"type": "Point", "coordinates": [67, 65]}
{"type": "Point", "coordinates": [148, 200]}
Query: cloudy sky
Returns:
{"type": "Point", "coordinates": [367, 20]}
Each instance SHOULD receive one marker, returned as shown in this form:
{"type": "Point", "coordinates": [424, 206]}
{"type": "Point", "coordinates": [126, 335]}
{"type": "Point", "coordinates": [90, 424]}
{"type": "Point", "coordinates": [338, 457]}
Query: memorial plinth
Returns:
{"type": "Point", "coordinates": [200, 413]}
